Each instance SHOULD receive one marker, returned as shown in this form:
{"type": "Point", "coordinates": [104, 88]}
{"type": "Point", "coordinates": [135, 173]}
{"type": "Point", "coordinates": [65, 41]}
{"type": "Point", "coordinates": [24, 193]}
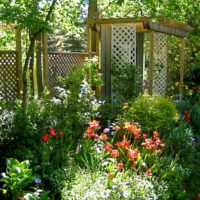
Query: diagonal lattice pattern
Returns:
{"type": "Point", "coordinates": [8, 75]}
{"type": "Point", "coordinates": [123, 53]}
{"type": "Point", "coordinates": [160, 64]}
{"type": "Point", "coordinates": [60, 64]}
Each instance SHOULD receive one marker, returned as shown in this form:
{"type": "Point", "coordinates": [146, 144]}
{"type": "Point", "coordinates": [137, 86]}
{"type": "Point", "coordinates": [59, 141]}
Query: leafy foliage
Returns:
{"type": "Point", "coordinates": [18, 175]}
{"type": "Point", "coordinates": [151, 112]}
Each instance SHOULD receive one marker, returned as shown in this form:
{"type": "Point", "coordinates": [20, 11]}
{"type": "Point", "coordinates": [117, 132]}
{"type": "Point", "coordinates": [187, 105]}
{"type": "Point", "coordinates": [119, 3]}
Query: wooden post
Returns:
{"type": "Point", "coordinates": [19, 61]}
{"type": "Point", "coordinates": [182, 60]}
{"type": "Point", "coordinates": [89, 41]}
{"type": "Point", "coordinates": [45, 60]}
{"type": "Point", "coordinates": [151, 64]}
{"type": "Point", "coordinates": [39, 67]}
{"type": "Point", "coordinates": [98, 53]}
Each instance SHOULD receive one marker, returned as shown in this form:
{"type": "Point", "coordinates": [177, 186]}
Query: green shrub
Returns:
{"type": "Point", "coordinates": [153, 113]}
{"type": "Point", "coordinates": [180, 141]}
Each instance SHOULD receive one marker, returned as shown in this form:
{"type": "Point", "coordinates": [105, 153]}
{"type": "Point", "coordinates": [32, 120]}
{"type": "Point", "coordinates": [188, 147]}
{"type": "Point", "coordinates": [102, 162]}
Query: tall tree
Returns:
{"type": "Point", "coordinates": [37, 16]}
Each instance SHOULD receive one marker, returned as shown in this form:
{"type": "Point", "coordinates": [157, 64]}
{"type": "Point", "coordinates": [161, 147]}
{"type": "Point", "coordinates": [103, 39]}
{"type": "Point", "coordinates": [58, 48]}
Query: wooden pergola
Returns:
{"type": "Point", "coordinates": [141, 25]}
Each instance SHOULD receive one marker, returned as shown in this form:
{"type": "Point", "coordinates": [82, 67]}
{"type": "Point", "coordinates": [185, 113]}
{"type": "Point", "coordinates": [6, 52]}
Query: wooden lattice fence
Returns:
{"type": "Point", "coordinates": [60, 63]}
{"type": "Point", "coordinates": [9, 89]}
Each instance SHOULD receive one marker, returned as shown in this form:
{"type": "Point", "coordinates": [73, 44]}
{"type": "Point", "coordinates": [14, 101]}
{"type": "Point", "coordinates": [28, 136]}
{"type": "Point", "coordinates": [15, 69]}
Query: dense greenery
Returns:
{"type": "Point", "coordinates": [63, 147]}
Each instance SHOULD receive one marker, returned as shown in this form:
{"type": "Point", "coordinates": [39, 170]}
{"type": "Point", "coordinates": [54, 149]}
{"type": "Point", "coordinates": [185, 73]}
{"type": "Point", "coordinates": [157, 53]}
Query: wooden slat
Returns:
{"type": "Point", "coordinates": [172, 26]}
{"type": "Point", "coordinates": [151, 64]}
{"type": "Point", "coordinates": [89, 41]}
{"type": "Point", "coordinates": [182, 60]}
{"type": "Point", "coordinates": [115, 20]}
{"type": "Point", "coordinates": [19, 60]}
{"type": "Point", "coordinates": [165, 29]}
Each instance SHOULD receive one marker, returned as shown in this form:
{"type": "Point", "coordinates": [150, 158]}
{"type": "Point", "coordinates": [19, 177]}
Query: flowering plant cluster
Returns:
{"type": "Point", "coordinates": [52, 133]}
{"type": "Point", "coordinates": [128, 146]}
{"type": "Point", "coordinates": [52, 149]}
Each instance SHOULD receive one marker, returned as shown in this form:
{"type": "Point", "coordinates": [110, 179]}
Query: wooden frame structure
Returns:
{"type": "Point", "coordinates": [144, 24]}
{"type": "Point", "coordinates": [11, 60]}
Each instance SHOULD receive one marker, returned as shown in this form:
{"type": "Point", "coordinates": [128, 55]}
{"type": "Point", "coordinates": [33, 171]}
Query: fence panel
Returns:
{"type": "Point", "coordinates": [8, 75]}
{"type": "Point", "coordinates": [60, 63]}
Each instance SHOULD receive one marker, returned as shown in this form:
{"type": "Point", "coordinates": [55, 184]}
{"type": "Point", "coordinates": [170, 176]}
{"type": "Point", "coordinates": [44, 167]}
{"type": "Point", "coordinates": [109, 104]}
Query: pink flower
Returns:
{"type": "Point", "coordinates": [52, 132]}
{"type": "Point", "coordinates": [45, 137]}
{"type": "Point", "coordinates": [106, 130]}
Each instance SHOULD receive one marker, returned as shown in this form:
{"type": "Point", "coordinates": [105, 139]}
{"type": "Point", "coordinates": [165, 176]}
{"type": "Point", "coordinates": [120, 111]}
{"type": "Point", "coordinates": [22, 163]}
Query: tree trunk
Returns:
{"type": "Point", "coordinates": [25, 70]}
{"type": "Point", "coordinates": [39, 67]}
{"type": "Point", "coordinates": [32, 74]}
{"type": "Point", "coordinates": [27, 60]}
{"type": "Point", "coordinates": [92, 11]}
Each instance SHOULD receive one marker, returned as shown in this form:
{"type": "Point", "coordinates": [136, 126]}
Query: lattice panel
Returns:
{"type": "Point", "coordinates": [123, 53]}
{"type": "Point", "coordinates": [8, 75]}
{"type": "Point", "coordinates": [160, 64]}
{"type": "Point", "coordinates": [60, 64]}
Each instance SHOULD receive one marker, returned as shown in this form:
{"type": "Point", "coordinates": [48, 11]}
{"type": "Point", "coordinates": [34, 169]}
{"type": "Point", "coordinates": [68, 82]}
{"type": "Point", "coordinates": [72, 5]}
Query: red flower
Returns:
{"type": "Point", "coordinates": [148, 171]}
{"type": "Point", "coordinates": [134, 164]}
{"type": "Point", "coordinates": [104, 137]}
{"type": "Point", "coordinates": [186, 112]}
{"type": "Point", "coordinates": [114, 153]}
{"type": "Point", "coordinates": [155, 134]}
{"type": "Point", "coordinates": [120, 166]}
{"type": "Point", "coordinates": [90, 132]}
{"type": "Point", "coordinates": [188, 121]}
{"type": "Point", "coordinates": [52, 132]}
{"type": "Point", "coordinates": [148, 141]}
{"type": "Point", "coordinates": [45, 137]}
{"type": "Point", "coordinates": [110, 175]}
{"type": "Point", "coordinates": [136, 132]}
{"type": "Point", "coordinates": [124, 143]}
{"type": "Point", "coordinates": [94, 124]}
{"type": "Point", "coordinates": [148, 146]}
{"type": "Point", "coordinates": [108, 147]}
{"type": "Point", "coordinates": [188, 115]}
{"type": "Point", "coordinates": [128, 126]}
{"type": "Point", "coordinates": [116, 128]}
{"type": "Point", "coordinates": [60, 133]}
{"type": "Point", "coordinates": [133, 154]}
{"type": "Point", "coordinates": [144, 136]}
{"type": "Point", "coordinates": [194, 87]}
